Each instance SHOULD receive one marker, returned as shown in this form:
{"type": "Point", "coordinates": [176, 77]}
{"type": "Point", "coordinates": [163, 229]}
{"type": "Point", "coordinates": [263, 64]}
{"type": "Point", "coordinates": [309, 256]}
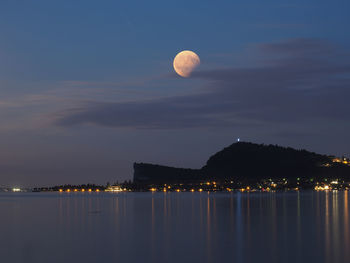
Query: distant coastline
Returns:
{"type": "Point", "coordinates": [243, 166]}
{"type": "Point", "coordinates": [250, 163]}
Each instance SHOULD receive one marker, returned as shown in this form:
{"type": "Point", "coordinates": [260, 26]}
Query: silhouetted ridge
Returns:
{"type": "Point", "coordinates": [258, 160]}
{"type": "Point", "coordinates": [247, 161]}
{"type": "Point", "coordinates": [145, 172]}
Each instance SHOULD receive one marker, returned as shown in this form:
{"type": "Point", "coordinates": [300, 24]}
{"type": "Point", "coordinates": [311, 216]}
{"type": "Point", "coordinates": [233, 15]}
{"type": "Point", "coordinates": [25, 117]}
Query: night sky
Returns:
{"type": "Point", "coordinates": [88, 87]}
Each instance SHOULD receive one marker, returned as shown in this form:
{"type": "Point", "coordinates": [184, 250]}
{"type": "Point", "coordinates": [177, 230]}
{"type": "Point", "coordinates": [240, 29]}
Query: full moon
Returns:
{"type": "Point", "coordinates": [185, 62]}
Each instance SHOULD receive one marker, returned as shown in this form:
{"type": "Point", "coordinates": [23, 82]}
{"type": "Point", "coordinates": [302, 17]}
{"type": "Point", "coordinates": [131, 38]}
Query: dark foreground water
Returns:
{"type": "Point", "coordinates": [175, 227]}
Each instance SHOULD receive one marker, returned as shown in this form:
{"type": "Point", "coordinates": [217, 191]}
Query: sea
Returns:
{"type": "Point", "coordinates": [298, 226]}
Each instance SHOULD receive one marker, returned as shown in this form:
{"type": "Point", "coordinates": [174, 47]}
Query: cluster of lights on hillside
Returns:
{"type": "Point", "coordinates": [342, 160]}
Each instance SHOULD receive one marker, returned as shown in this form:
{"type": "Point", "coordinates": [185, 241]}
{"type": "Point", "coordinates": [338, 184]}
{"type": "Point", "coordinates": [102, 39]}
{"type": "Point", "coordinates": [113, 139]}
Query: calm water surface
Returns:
{"type": "Point", "coordinates": [175, 227]}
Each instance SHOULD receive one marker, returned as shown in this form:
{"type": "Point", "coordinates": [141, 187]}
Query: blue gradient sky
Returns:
{"type": "Point", "coordinates": [87, 87]}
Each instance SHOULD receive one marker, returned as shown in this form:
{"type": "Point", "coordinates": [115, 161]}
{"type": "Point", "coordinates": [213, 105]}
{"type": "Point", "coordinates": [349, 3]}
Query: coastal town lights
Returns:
{"type": "Point", "coordinates": [322, 188]}
{"type": "Point", "coordinates": [114, 189]}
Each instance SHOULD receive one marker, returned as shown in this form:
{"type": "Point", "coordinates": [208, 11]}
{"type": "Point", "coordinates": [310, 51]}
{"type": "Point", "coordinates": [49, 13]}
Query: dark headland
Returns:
{"type": "Point", "coordinates": [242, 166]}
{"type": "Point", "coordinates": [249, 162]}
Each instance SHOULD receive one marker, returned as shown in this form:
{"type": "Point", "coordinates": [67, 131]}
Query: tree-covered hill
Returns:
{"type": "Point", "coordinates": [247, 162]}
